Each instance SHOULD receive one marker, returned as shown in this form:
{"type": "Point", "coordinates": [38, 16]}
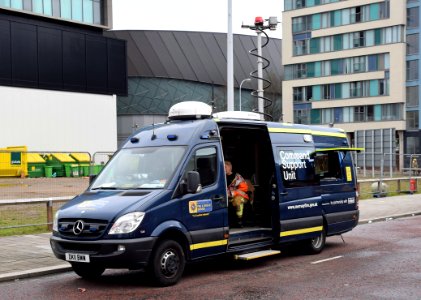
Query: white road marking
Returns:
{"type": "Point", "coordinates": [327, 259]}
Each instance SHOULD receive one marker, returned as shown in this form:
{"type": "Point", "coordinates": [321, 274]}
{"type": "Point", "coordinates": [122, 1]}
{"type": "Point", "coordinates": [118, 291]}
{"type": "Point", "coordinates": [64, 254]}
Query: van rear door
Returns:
{"type": "Point", "coordinates": [338, 188]}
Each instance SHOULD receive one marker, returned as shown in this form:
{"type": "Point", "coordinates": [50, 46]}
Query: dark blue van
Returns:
{"type": "Point", "coordinates": [162, 199]}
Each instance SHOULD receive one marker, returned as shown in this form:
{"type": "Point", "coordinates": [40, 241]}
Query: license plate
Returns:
{"type": "Point", "coordinates": [77, 257]}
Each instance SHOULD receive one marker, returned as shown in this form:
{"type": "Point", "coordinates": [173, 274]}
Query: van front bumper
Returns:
{"type": "Point", "coordinates": [122, 253]}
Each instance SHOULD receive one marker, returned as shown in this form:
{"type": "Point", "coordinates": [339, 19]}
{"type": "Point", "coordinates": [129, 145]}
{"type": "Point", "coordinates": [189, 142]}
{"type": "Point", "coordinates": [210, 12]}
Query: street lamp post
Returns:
{"type": "Point", "coordinates": [241, 84]}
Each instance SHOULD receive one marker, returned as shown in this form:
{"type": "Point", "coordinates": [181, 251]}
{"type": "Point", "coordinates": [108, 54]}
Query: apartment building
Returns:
{"type": "Point", "coordinates": [347, 64]}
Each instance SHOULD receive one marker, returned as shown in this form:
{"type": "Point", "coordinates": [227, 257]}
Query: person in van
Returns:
{"type": "Point", "coordinates": [237, 192]}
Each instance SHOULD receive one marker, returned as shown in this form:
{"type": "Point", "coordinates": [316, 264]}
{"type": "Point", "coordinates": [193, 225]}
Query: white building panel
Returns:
{"type": "Point", "coordinates": [49, 121]}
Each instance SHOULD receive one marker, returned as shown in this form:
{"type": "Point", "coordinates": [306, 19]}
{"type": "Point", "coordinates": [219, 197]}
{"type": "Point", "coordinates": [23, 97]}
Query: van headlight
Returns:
{"type": "Point", "coordinates": [55, 221]}
{"type": "Point", "coordinates": [127, 223]}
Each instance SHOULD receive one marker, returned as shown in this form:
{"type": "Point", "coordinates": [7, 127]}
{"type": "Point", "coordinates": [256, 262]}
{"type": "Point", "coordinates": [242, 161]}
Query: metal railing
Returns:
{"type": "Point", "coordinates": [29, 212]}
{"type": "Point", "coordinates": [29, 197]}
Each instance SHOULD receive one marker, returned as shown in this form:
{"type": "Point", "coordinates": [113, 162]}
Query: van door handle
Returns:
{"type": "Point", "coordinates": [284, 193]}
{"type": "Point", "coordinates": [218, 198]}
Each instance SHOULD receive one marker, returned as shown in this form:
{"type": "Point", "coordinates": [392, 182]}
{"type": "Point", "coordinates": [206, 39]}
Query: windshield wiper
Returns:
{"type": "Point", "coordinates": [104, 188]}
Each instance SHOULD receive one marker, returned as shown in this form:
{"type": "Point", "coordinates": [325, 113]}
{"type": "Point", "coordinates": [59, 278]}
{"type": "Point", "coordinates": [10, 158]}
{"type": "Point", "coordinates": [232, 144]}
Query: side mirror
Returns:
{"type": "Point", "coordinates": [193, 182]}
{"type": "Point", "coordinates": [91, 179]}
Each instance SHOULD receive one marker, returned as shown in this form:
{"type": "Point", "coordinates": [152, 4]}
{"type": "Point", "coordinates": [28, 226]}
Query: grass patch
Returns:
{"type": "Point", "coordinates": [394, 188]}
{"type": "Point", "coordinates": [22, 215]}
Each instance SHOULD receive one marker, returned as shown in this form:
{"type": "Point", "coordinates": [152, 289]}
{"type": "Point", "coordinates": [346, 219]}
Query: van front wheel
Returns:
{"type": "Point", "coordinates": [168, 262]}
{"type": "Point", "coordinates": [316, 244]}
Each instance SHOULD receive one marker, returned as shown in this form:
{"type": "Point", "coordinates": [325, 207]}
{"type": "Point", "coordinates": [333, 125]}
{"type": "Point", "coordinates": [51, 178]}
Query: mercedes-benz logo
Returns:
{"type": "Point", "coordinates": [78, 227]}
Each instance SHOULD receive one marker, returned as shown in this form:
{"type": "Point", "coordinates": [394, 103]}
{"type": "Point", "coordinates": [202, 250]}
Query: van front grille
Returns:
{"type": "Point", "coordinates": [82, 228]}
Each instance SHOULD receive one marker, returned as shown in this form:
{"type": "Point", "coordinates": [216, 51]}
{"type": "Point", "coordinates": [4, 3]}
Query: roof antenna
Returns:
{"type": "Point", "coordinates": [153, 137]}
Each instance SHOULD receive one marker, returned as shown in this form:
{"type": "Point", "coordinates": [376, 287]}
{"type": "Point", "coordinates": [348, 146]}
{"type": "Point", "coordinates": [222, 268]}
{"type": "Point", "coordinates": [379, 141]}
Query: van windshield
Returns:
{"type": "Point", "coordinates": [138, 168]}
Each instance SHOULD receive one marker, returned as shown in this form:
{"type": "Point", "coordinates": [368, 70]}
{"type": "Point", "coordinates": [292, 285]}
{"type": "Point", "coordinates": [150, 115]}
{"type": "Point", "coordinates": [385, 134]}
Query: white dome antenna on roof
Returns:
{"type": "Point", "coordinates": [190, 110]}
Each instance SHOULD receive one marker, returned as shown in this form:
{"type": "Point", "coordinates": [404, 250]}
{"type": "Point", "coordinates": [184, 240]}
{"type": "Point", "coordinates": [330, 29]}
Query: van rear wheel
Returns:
{"type": "Point", "coordinates": [87, 271]}
{"type": "Point", "coordinates": [316, 244]}
{"type": "Point", "coordinates": [167, 263]}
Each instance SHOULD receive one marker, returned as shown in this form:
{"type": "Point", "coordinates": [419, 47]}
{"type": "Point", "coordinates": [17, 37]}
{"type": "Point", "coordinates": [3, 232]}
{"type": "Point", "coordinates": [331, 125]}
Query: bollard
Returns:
{"type": "Point", "coordinates": [50, 215]}
{"type": "Point", "coordinates": [412, 185]}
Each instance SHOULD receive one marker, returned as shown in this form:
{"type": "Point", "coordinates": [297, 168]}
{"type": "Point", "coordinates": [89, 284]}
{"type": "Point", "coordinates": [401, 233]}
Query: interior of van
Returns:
{"type": "Point", "coordinates": [249, 149]}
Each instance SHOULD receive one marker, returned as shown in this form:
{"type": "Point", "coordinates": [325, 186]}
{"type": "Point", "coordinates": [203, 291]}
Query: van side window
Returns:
{"type": "Point", "coordinates": [328, 165]}
{"type": "Point", "coordinates": [297, 167]}
{"type": "Point", "coordinates": [204, 161]}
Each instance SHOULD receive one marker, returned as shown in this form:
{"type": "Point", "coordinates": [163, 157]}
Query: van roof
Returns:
{"type": "Point", "coordinates": [186, 132]}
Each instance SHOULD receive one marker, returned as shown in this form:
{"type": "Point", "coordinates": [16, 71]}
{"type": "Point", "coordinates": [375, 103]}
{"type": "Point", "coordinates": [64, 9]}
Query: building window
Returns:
{"type": "Point", "coordinates": [341, 66]}
{"type": "Point", "coordinates": [304, 45]}
{"type": "Point", "coordinates": [98, 18]}
{"type": "Point", "coordinates": [411, 70]}
{"type": "Point", "coordinates": [391, 112]}
{"type": "Point", "coordinates": [301, 24]}
{"type": "Point", "coordinates": [356, 89]}
{"type": "Point", "coordinates": [88, 11]}
{"type": "Point", "coordinates": [356, 14]}
{"type": "Point", "coordinates": [412, 145]}
{"type": "Point", "coordinates": [301, 71]}
{"type": "Point", "coordinates": [298, 94]}
{"type": "Point", "coordinates": [412, 17]}
{"type": "Point", "coordinates": [66, 9]}
{"type": "Point", "coordinates": [17, 4]}
{"type": "Point", "coordinates": [77, 10]}
{"type": "Point", "coordinates": [370, 113]}
{"type": "Point", "coordinates": [412, 44]}
{"type": "Point", "coordinates": [301, 47]}
{"type": "Point", "coordinates": [412, 120]}
{"type": "Point", "coordinates": [328, 116]}
{"type": "Point", "coordinates": [358, 39]}
{"type": "Point", "coordinates": [358, 64]}
{"type": "Point", "coordinates": [302, 116]}
{"type": "Point", "coordinates": [412, 96]}
{"type": "Point", "coordinates": [326, 91]}
{"type": "Point", "coordinates": [360, 113]}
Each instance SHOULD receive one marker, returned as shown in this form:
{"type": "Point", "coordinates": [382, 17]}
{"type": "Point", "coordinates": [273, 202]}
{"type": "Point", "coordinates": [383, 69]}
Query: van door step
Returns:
{"type": "Point", "coordinates": [257, 254]}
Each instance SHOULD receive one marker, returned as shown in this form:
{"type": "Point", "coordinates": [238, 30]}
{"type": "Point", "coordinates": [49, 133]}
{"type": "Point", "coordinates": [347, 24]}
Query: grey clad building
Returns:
{"type": "Point", "coordinates": [166, 67]}
{"type": "Point", "coordinates": [59, 75]}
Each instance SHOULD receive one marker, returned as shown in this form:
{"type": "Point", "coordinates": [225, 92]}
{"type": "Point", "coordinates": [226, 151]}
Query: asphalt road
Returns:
{"type": "Point", "coordinates": [380, 260]}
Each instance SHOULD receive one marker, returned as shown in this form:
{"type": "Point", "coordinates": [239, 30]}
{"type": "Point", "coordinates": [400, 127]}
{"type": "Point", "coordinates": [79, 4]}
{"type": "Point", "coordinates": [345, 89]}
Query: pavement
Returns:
{"type": "Point", "coordinates": [26, 256]}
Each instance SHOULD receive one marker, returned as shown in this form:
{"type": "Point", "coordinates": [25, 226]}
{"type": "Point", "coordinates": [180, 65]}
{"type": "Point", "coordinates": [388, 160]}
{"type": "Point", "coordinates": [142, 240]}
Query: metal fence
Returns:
{"type": "Point", "coordinates": [33, 185]}
{"type": "Point", "coordinates": [27, 201]}
{"type": "Point", "coordinates": [375, 165]}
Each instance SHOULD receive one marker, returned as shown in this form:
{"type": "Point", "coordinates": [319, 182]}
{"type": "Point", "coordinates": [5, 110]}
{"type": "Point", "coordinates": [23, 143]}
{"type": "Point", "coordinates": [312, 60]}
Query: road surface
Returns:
{"type": "Point", "coordinates": [377, 260]}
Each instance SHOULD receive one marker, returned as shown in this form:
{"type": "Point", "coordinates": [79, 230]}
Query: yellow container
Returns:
{"type": "Point", "coordinates": [81, 157]}
{"type": "Point", "coordinates": [13, 161]}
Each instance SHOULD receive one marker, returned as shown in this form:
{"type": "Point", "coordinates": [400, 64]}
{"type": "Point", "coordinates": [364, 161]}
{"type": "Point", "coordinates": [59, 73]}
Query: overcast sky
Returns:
{"type": "Point", "coordinates": [193, 15]}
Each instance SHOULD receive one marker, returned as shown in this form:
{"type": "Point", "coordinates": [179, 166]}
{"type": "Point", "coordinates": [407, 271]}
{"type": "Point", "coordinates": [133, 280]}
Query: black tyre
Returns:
{"type": "Point", "coordinates": [316, 244]}
{"type": "Point", "coordinates": [167, 263]}
{"type": "Point", "coordinates": [87, 271]}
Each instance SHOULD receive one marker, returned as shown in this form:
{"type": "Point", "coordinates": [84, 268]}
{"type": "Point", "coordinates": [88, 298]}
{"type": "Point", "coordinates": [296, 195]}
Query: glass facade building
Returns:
{"type": "Point", "coordinates": [83, 11]}
{"type": "Point", "coordinates": [412, 134]}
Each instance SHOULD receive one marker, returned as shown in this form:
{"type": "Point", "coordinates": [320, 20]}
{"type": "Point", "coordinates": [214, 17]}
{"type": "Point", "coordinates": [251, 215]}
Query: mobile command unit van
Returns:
{"type": "Point", "coordinates": [161, 201]}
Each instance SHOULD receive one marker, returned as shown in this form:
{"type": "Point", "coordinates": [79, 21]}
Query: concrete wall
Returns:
{"type": "Point", "coordinates": [46, 120]}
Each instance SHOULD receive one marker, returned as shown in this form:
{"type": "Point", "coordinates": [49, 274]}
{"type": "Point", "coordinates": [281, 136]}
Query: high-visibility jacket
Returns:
{"type": "Point", "coordinates": [238, 187]}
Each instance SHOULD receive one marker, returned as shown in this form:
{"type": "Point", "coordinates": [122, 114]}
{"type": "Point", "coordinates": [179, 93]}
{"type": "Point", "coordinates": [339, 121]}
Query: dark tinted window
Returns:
{"type": "Point", "coordinates": [297, 167]}
{"type": "Point", "coordinates": [204, 161]}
